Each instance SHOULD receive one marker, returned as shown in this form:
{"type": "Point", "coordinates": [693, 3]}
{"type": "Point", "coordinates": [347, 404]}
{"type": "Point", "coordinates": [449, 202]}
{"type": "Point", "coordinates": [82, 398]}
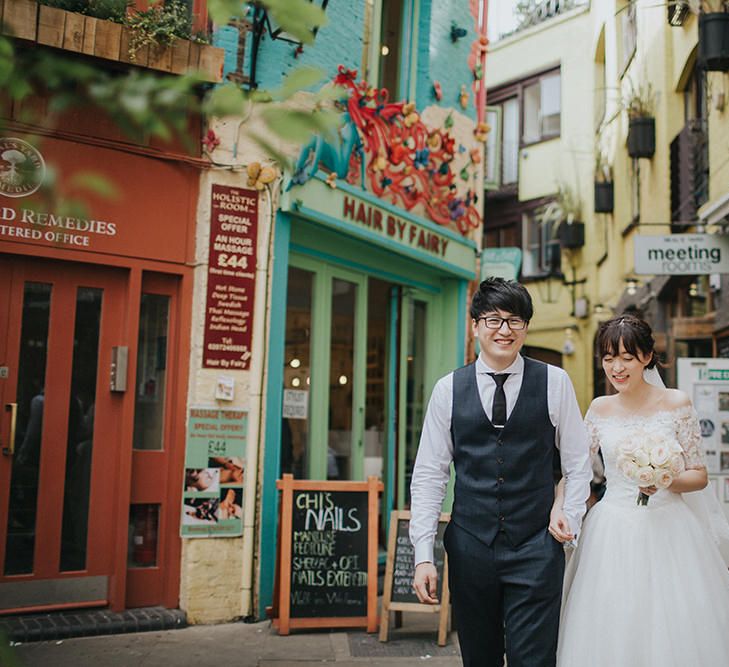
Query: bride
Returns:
{"type": "Point", "coordinates": [647, 585]}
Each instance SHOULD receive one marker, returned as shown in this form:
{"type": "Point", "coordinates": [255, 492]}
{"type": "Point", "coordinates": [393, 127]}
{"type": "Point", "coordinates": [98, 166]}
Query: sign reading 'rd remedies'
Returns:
{"type": "Point", "coordinates": [327, 569]}
{"type": "Point", "coordinates": [231, 278]}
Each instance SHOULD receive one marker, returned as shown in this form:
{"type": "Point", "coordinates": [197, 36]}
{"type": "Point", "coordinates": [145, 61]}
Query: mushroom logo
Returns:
{"type": "Point", "coordinates": [22, 168]}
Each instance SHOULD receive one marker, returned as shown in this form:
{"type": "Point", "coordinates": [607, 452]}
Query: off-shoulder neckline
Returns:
{"type": "Point", "coordinates": [670, 412]}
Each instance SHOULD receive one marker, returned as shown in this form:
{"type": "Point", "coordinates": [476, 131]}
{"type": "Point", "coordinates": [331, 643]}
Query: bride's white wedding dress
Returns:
{"type": "Point", "coordinates": [646, 586]}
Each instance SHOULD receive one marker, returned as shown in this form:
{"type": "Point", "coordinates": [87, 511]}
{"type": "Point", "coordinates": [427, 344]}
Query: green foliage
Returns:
{"type": "Point", "coordinates": [112, 10]}
{"type": "Point", "coordinates": [158, 26]}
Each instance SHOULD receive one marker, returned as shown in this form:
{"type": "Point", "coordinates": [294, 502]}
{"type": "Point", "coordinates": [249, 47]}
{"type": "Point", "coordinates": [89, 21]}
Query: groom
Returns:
{"type": "Point", "coordinates": [504, 422]}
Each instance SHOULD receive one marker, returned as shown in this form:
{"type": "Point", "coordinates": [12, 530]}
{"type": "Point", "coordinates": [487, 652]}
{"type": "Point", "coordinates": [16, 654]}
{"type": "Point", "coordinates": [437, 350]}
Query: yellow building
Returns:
{"type": "Point", "coordinates": [566, 87]}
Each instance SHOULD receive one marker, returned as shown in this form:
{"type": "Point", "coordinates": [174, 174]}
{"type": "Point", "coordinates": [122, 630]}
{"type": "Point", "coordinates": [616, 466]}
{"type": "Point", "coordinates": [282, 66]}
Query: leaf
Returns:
{"type": "Point", "coordinates": [299, 79]}
{"type": "Point", "coordinates": [297, 17]}
{"type": "Point", "coordinates": [274, 153]}
{"type": "Point", "coordinates": [299, 126]}
{"type": "Point", "coordinates": [96, 183]}
{"type": "Point", "coordinates": [225, 100]}
{"type": "Point", "coordinates": [221, 11]}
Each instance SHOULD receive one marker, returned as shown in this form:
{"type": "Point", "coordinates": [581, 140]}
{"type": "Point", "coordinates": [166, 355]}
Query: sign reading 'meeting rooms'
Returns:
{"type": "Point", "coordinates": [682, 254]}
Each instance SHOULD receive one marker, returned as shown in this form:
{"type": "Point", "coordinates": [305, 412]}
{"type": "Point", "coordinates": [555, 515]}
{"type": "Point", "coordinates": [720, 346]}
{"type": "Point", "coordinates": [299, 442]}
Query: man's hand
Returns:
{"type": "Point", "coordinates": [425, 583]}
{"type": "Point", "coordinates": [559, 526]}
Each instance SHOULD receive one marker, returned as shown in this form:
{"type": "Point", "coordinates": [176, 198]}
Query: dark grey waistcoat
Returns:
{"type": "Point", "coordinates": [504, 480]}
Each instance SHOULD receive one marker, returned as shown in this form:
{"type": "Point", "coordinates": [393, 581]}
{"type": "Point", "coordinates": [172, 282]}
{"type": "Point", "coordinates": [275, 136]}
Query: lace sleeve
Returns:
{"type": "Point", "coordinates": [688, 433]}
{"type": "Point", "coordinates": [593, 436]}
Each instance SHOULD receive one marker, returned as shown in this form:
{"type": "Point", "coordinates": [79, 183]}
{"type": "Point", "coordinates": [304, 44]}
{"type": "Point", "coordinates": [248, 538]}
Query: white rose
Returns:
{"type": "Point", "coordinates": [676, 464]}
{"type": "Point", "coordinates": [645, 476]}
{"type": "Point", "coordinates": [659, 456]}
{"type": "Point", "coordinates": [641, 457]}
{"type": "Point", "coordinates": [664, 479]}
{"type": "Point", "coordinates": [629, 469]}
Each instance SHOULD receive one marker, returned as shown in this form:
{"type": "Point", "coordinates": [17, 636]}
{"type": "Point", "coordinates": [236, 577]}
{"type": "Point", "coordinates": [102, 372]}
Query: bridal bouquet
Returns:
{"type": "Point", "coordinates": [649, 463]}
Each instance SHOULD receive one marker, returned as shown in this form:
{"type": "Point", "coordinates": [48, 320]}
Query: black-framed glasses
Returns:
{"type": "Point", "coordinates": [514, 323]}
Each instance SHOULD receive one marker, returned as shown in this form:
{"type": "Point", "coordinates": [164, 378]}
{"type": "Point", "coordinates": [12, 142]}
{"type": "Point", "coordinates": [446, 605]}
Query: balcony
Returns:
{"type": "Point", "coordinates": [538, 11]}
{"type": "Point", "coordinates": [33, 22]}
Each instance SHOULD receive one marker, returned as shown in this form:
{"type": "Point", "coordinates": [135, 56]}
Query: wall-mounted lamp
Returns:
{"type": "Point", "coordinates": [457, 32]}
{"type": "Point", "coordinates": [631, 286]}
{"type": "Point", "coordinates": [693, 290]}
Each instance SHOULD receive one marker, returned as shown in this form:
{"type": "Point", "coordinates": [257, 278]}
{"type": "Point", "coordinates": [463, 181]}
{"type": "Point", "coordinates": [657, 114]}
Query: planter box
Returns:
{"type": "Point", "coordinates": [51, 26]}
{"type": "Point", "coordinates": [714, 41]}
{"type": "Point", "coordinates": [572, 235]}
{"type": "Point", "coordinates": [642, 137]}
{"type": "Point", "coordinates": [604, 197]}
{"type": "Point", "coordinates": [20, 18]}
{"type": "Point", "coordinates": [26, 19]}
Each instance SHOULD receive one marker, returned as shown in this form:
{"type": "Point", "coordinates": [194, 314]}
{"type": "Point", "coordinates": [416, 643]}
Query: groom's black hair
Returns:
{"type": "Point", "coordinates": [500, 294]}
{"type": "Point", "coordinates": [635, 334]}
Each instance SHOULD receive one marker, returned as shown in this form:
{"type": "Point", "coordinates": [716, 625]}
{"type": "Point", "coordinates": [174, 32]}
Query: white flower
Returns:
{"type": "Point", "coordinates": [642, 458]}
{"type": "Point", "coordinates": [659, 456]}
{"type": "Point", "coordinates": [676, 464]}
{"type": "Point", "coordinates": [629, 469]}
{"type": "Point", "coordinates": [663, 479]}
{"type": "Point", "coordinates": [645, 476]}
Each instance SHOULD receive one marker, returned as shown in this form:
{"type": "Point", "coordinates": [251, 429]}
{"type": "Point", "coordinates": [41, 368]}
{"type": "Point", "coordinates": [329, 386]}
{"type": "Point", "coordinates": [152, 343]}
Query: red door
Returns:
{"type": "Point", "coordinates": [59, 431]}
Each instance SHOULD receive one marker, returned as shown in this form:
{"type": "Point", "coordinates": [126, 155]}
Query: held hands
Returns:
{"type": "Point", "coordinates": [425, 583]}
{"type": "Point", "coordinates": [648, 490]}
{"type": "Point", "coordinates": [559, 527]}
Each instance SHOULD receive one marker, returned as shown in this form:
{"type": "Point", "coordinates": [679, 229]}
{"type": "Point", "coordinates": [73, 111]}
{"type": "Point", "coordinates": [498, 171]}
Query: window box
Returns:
{"type": "Point", "coordinates": [642, 136]}
{"type": "Point", "coordinates": [714, 41]}
{"type": "Point", "coordinates": [27, 20]}
{"type": "Point", "coordinates": [604, 197]}
{"type": "Point", "coordinates": [571, 234]}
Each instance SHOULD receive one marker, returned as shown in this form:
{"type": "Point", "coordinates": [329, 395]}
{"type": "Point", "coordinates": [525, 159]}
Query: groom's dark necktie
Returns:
{"type": "Point", "coordinates": [498, 407]}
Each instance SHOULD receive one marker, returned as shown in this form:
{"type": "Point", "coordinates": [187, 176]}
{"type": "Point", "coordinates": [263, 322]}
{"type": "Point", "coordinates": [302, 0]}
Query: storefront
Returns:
{"type": "Point", "coordinates": [369, 309]}
{"type": "Point", "coordinates": [95, 322]}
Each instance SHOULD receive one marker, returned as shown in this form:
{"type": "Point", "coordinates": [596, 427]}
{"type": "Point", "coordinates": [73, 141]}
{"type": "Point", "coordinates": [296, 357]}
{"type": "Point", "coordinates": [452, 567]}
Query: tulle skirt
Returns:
{"type": "Point", "coordinates": [646, 587]}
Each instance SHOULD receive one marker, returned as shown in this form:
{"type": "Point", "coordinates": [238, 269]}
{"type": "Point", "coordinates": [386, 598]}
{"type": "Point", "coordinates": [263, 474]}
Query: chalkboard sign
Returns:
{"type": "Point", "coordinates": [329, 554]}
{"type": "Point", "coordinates": [327, 566]}
{"type": "Point", "coordinates": [404, 563]}
{"type": "Point", "coordinates": [398, 594]}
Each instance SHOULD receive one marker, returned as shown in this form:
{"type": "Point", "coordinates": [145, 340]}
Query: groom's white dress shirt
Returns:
{"type": "Point", "coordinates": [435, 453]}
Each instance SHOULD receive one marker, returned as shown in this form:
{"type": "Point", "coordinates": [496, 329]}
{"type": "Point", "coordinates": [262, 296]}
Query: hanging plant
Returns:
{"type": "Point", "coordinates": [158, 27]}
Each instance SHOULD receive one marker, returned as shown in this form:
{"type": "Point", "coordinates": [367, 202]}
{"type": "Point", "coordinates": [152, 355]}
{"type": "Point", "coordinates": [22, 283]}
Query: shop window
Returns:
{"type": "Point", "coordinates": [297, 374]}
{"type": "Point", "coordinates": [143, 535]}
{"type": "Point", "coordinates": [80, 442]}
{"type": "Point", "coordinates": [391, 29]}
{"type": "Point", "coordinates": [542, 106]}
{"type": "Point", "coordinates": [151, 378]}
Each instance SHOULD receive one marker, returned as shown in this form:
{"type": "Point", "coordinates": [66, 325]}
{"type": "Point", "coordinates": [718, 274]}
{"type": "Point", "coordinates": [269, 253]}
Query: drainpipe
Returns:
{"type": "Point", "coordinates": [483, 22]}
{"type": "Point", "coordinates": [260, 352]}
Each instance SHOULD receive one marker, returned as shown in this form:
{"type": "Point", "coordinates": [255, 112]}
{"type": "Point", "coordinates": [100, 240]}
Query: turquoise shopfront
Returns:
{"type": "Point", "coordinates": [369, 309]}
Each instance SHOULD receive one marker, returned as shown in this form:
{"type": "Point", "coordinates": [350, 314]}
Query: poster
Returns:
{"type": "Point", "coordinates": [706, 381]}
{"type": "Point", "coordinates": [231, 278]}
{"type": "Point", "coordinates": [212, 498]}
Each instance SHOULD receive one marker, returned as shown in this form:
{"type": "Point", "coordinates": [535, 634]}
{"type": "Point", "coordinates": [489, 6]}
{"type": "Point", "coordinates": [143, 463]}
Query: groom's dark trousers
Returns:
{"type": "Point", "coordinates": [505, 569]}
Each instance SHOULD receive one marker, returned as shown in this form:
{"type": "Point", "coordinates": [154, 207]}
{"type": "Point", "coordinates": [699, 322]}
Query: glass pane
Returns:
{"type": "Point", "coordinates": [531, 113]}
{"type": "Point", "coordinates": [415, 387]}
{"type": "Point", "coordinates": [143, 534]}
{"type": "Point", "coordinates": [390, 45]}
{"type": "Point", "coordinates": [339, 452]}
{"type": "Point", "coordinates": [149, 405]}
{"type": "Point", "coordinates": [80, 441]}
{"type": "Point", "coordinates": [510, 154]}
{"type": "Point", "coordinates": [378, 312]}
{"type": "Point", "coordinates": [29, 429]}
{"type": "Point", "coordinates": [297, 364]}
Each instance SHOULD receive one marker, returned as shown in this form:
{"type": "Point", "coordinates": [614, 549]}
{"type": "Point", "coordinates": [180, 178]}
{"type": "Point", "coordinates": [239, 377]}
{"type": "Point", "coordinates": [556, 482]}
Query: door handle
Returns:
{"type": "Point", "coordinates": [12, 408]}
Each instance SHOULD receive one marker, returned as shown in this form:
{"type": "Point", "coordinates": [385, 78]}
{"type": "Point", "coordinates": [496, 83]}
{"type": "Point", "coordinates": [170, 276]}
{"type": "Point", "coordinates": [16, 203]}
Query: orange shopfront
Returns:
{"type": "Point", "coordinates": [94, 346]}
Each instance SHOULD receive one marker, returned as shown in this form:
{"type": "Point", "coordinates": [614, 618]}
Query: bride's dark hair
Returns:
{"type": "Point", "coordinates": [636, 335]}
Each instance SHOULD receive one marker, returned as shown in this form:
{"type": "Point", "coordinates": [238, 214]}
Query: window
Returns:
{"type": "Point", "coordinates": [391, 47]}
{"type": "Point", "coordinates": [629, 30]}
{"type": "Point", "coordinates": [521, 113]}
{"type": "Point", "coordinates": [541, 248]}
